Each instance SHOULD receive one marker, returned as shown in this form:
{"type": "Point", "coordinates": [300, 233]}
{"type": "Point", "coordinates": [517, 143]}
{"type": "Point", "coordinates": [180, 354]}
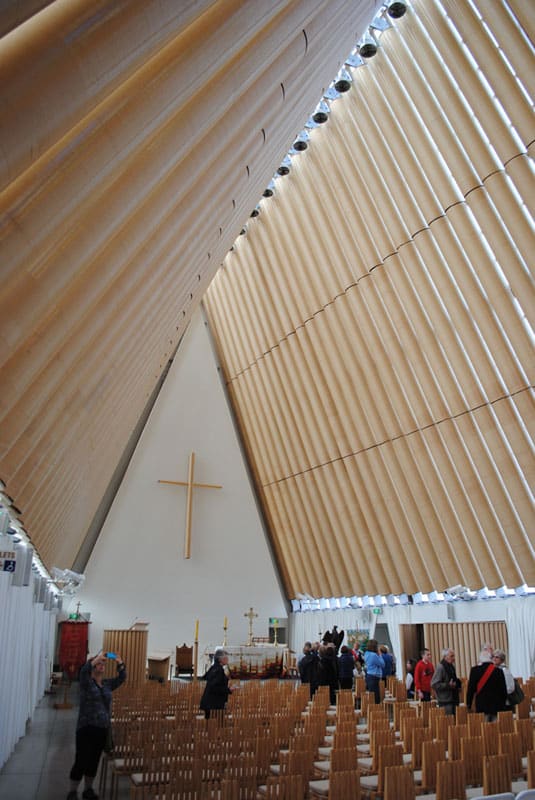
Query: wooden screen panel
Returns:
{"type": "Point", "coordinates": [465, 638]}
{"type": "Point", "coordinates": [132, 645]}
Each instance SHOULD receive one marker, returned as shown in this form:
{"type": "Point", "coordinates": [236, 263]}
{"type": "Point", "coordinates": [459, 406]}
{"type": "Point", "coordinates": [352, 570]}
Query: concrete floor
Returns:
{"type": "Point", "coordinates": [39, 766]}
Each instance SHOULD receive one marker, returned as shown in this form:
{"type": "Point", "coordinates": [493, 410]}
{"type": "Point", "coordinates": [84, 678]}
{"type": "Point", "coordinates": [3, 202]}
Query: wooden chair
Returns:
{"type": "Point", "coordinates": [472, 756]}
{"type": "Point", "coordinates": [451, 780]}
{"type": "Point", "coordinates": [343, 785]}
{"type": "Point", "coordinates": [489, 732]}
{"type": "Point", "coordinates": [440, 725]}
{"type": "Point", "coordinates": [455, 734]}
{"type": "Point", "coordinates": [505, 722]}
{"type": "Point", "coordinates": [183, 661]}
{"type": "Point", "coordinates": [531, 769]}
{"type": "Point", "coordinates": [525, 728]}
{"type": "Point", "coordinates": [419, 736]}
{"type": "Point", "coordinates": [522, 710]}
{"type": "Point", "coordinates": [461, 715]}
{"type": "Point", "coordinates": [432, 752]}
{"type": "Point", "coordinates": [511, 745]}
{"type": "Point", "coordinates": [408, 724]}
{"type": "Point", "coordinates": [475, 719]}
{"type": "Point", "coordinates": [497, 774]}
{"type": "Point", "coordinates": [390, 755]}
{"type": "Point", "coordinates": [284, 787]}
{"type": "Point", "coordinates": [399, 784]}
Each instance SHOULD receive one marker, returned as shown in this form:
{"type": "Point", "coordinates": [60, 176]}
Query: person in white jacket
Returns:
{"type": "Point", "coordinates": [498, 659]}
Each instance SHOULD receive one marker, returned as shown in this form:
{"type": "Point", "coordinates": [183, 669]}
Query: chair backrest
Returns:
{"type": "Point", "coordinates": [380, 739]}
{"type": "Point", "coordinates": [390, 755]}
{"type": "Point", "coordinates": [472, 755]}
{"type": "Point", "coordinates": [526, 730]}
{"type": "Point", "coordinates": [451, 780]}
{"type": "Point", "coordinates": [419, 736]}
{"type": "Point", "coordinates": [531, 768]}
{"type": "Point", "coordinates": [474, 723]}
{"type": "Point", "coordinates": [184, 659]}
{"type": "Point", "coordinates": [399, 783]}
{"type": "Point", "coordinates": [523, 708]}
{"type": "Point", "coordinates": [489, 732]}
{"type": "Point", "coordinates": [511, 744]}
{"type": "Point", "coordinates": [407, 725]}
{"type": "Point", "coordinates": [344, 784]}
{"type": "Point", "coordinates": [455, 734]}
{"type": "Point", "coordinates": [461, 715]}
{"type": "Point", "coordinates": [497, 774]}
{"type": "Point", "coordinates": [343, 759]}
{"type": "Point", "coordinates": [440, 725]}
{"type": "Point", "coordinates": [505, 722]}
{"type": "Point", "coordinates": [285, 787]}
{"type": "Point", "coordinates": [432, 752]}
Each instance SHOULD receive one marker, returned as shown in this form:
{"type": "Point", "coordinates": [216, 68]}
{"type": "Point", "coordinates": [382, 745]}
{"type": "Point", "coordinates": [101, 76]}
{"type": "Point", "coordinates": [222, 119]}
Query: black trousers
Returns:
{"type": "Point", "coordinates": [90, 743]}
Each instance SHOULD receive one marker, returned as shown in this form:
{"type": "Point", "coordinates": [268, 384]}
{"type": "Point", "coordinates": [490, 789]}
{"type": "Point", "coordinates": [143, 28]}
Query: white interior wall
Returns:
{"type": "Point", "coordinates": [137, 569]}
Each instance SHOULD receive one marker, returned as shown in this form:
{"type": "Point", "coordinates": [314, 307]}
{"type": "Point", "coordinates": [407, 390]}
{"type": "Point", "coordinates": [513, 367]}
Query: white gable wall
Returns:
{"type": "Point", "coordinates": [137, 569]}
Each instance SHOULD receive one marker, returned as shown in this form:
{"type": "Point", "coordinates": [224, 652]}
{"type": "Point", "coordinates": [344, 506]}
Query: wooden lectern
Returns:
{"type": "Point", "coordinates": [132, 645]}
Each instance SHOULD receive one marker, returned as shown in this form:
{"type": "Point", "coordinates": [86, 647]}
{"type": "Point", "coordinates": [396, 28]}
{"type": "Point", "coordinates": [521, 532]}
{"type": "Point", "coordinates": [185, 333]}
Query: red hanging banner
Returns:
{"type": "Point", "coordinates": [73, 646]}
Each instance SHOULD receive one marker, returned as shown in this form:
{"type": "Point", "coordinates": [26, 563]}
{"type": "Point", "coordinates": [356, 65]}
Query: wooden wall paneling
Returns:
{"type": "Point", "coordinates": [425, 344]}
{"type": "Point", "coordinates": [502, 82]}
{"type": "Point", "coordinates": [511, 39]}
{"type": "Point", "coordinates": [466, 639]}
{"type": "Point", "coordinates": [463, 448]}
{"type": "Point", "coordinates": [467, 538]}
{"type": "Point", "coordinates": [493, 307]}
{"type": "Point", "coordinates": [463, 349]}
{"type": "Point", "coordinates": [52, 56]}
{"type": "Point", "coordinates": [523, 12]}
{"type": "Point", "coordinates": [132, 646]}
{"type": "Point", "coordinates": [460, 66]}
{"type": "Point", "coordinates": [504, 437]}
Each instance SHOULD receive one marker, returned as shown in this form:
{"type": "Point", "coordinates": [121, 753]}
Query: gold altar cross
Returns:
{"type": "Point", "coordinates": [251, 615]}
{"type": "Point", "coordinates": [189, 499]}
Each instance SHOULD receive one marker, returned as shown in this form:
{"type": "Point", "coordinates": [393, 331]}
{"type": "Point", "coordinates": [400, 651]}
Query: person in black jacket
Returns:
{"type": "Point", "coordinates": [217, 690]}
{"type": "Point", "coordinates": [486, 683]}
{"type": "Point", "coordinates": [328, 670]}
{"type": "Point", "coordinates": [346, 665]}
{"type": "Point", "coordinates": [308, 667]}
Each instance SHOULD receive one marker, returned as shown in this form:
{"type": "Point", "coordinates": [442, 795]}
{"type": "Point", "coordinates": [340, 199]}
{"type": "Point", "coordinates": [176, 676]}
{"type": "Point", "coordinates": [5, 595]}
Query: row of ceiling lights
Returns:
{"type": "Point", "coordinates": [365, 48]}
{"type": "Point", "coordinates": [308, 603]}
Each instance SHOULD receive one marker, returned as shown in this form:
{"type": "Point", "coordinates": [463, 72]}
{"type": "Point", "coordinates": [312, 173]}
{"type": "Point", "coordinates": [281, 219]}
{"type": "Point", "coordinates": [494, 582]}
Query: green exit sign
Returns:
{"type": "Point", "coordinates": [377, 610]}
{"type": "Point", "coordinates": [273, 621]}
{"type": "Point", "coordinates": [73, 616]}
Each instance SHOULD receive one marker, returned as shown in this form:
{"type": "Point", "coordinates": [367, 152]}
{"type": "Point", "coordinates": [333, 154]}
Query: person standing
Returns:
{"type": "Point", "coordinates": [94, 720]}
{"type": "Point", "coordinates": [346, 665]}
{"type": "Point", "coordinates": [498, 657]}
{"type": "Point", "coordinates": [445, 682]}
{"type": "Point", "coordinates": [389, 662]}
{"type": "Point", "coordinates": [374, 668]}
{"type": "Point", "coordinates": [486, 684]}
{"type": "Point", "coordinates": [328, 670]}
{"type": "Point", "coordinates": [423, 673]}
{"type": "Point", "coordinates": [217, 690]}
{"type": "Point", "coordinates": [409, 678]}
{"type": "Point", "coordinates": [308, 667]}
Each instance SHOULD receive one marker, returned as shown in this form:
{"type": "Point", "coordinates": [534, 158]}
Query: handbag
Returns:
{"type": "Point", "coordinates": [516, 696]}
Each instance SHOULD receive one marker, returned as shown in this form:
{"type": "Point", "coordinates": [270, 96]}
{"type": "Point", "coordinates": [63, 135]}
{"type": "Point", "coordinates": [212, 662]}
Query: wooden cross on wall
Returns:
{"type": "Point", "coordinates": [189, 499]}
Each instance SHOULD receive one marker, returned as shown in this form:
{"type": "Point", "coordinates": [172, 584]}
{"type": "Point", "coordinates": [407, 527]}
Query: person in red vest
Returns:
{"type": "Point", "coordinates": [423, 673]}
{"type": "Point", "coordinates": [486, 683]}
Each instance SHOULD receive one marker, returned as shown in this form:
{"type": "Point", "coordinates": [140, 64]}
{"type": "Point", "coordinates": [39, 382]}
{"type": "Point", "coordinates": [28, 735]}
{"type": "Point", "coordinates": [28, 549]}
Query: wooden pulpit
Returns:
{"type": "Point", "coordinates": [132, 646]}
